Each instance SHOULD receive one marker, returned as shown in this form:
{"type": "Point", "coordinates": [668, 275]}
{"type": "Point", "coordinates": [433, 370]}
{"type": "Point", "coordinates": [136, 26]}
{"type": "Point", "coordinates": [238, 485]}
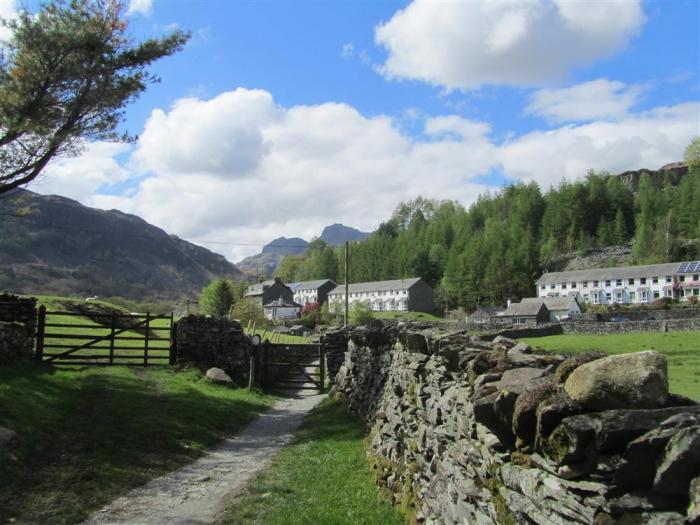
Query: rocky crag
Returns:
{"type": "Point", "coordinates": [464, 430]}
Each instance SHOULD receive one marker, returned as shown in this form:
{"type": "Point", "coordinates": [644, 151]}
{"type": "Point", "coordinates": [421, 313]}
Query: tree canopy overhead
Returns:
{"type": "Point", "coordinates": [65, 76]}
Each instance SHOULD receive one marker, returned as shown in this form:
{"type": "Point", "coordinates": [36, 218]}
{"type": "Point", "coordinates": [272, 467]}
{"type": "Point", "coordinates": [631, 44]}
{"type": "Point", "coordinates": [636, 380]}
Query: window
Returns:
{"type": "Point", "coordinates": [585, 284]}
{"type": "Point", "coordinates": [551, 287]}
{"type": "Point", "coordinates": [656, 294]}
{"type": "Point", "coordinates": [618, 297]}
{"type": "Point", "coordinates": [608, 297]}
{"type": "Point", "coordinates": [618, 282]}
{"type": "Point", "coordinates": [632, 296]}
{"type": "Point", "coordinates": [643, 297]}
{"type": "Point", "coordinates": [542, 287]}
{"type": "Point", "coordinates": [668, 279]}
{"type": "Point", "coordinates": [682, 278]}
{"type": "Point", "coordinates": [519, 320]}
{"type": "Point", "coordinates": [573, 285]}
{"type": "Point", "coordinates": [596, 298]}
{"type": "Point", "coordinates": [630, 281]}
{"type": "Point", "coordinates": [655, 280]}
{"type": "Point", "coordinates": [695, 277]}
{"type": "Point", "coordinates": [563, 286]}
{"type": "Point", "coordinates": [585, 297]}
{"type": "Point", "coordinates": [595, 283]}
{"type": "Point", "coordinates": [667, 293]}
{"type": "Point", "coordinates": [607, 283]}
{"type": "Point", "coordinates": [696, 291]}
{"type": "Point", "coordinates": [642, 280]}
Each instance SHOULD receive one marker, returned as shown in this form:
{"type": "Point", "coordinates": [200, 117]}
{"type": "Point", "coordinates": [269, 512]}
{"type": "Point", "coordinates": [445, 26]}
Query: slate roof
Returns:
{"type": "Point", "coordinates": [310, 285]}
{"type": "Point", "coordinates": [524, 309]}
{"type": "Point", "coordinates": [376, 286]}
{"type": "Point", "coordinates": [601, 274]}
{"type": "Point", "coordinates": [552, 303]}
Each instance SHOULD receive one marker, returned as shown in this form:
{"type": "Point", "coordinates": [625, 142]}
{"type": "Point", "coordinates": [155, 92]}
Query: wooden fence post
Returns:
{"type": "Point", "coordinates": [173, 341]}
{"type": "Point", "coordinates": [251, 376]}
{"type": "Point", "coordinates": [145, 339]}
{"type": "Point", "coordinates": [322, 370]}
{"type": "Point", "coordinates": [40, 329]}
{"type": "Point", "coordinates": [111, 339]}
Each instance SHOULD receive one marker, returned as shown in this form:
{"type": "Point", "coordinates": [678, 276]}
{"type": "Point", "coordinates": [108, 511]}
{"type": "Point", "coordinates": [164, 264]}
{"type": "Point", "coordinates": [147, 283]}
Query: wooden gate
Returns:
{"type": "Point", "coordinates": [292, 367]}
{"type": "Point", "coordinates": [108, 339]}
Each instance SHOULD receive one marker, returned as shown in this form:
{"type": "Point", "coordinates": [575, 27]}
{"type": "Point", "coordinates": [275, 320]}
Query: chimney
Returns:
{"type": "Point", "coordinates": [278, 279]}
{"type": "Point", "coordinates": [508, 303]}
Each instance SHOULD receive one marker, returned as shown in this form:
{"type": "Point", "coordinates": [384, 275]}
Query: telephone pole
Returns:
{"type": "Point", "coordinates": [347, 286]}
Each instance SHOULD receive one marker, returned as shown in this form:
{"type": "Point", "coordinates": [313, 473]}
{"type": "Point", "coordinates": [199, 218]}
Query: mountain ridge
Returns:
{"type": "Point", "coordinates": [55, 245]}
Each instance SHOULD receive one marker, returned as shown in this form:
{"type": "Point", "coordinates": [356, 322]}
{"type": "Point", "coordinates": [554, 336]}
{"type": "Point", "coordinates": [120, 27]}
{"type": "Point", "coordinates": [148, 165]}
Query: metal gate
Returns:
{"type": "Point", "coordinates": [113, 339]}
{"type": "Point", "coordinates": [292, 367]}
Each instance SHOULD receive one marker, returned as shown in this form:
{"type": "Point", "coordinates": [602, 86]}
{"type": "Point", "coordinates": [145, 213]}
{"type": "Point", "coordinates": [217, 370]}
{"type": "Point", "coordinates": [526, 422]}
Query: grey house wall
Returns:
{"type": "Point", "coordinates": [420, 297]}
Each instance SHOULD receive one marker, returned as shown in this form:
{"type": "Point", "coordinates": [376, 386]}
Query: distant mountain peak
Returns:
{"type": "Point", "coordinates": [336, 234]}
{"type": "Point", "coordinates": [285, 246]}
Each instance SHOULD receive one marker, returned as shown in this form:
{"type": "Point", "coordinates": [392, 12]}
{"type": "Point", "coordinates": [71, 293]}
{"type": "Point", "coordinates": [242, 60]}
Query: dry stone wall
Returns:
{"type": "Point", "coordinates": [467, 431]}
{"type": "Point", "coordinates": [211, 342]}
{"type": "Point", "coordinates": [17, 327]}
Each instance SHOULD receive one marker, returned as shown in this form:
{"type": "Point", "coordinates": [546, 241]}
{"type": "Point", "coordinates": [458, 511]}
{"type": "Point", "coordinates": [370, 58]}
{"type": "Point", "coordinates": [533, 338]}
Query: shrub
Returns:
{"type": "Point", "coordinates": [361, 314]}
{"type": "Point", "coordinates": [248, 311]}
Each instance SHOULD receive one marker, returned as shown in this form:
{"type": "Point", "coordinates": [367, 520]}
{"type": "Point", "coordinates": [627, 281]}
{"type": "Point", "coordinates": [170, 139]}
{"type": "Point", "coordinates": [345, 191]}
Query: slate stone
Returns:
{"type": "Point", "coordinates": [680, 462]}
{"type": "Point", "coordinates": [525, 412]}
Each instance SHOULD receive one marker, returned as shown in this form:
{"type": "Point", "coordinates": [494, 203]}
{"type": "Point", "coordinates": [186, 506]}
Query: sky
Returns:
{"type": "Point", "coordinates": [281, 117]}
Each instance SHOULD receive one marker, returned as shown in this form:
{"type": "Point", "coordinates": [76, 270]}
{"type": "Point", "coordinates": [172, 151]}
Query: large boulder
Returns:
{"type": "Point", "coordinates": [638, 380]}
{"type": "Point", "coordinates": [219, 377]}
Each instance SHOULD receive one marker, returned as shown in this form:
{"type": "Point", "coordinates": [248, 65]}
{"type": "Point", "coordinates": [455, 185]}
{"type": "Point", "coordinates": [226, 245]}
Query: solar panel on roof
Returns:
{"type": "Point", "coordinates": [688, 267]}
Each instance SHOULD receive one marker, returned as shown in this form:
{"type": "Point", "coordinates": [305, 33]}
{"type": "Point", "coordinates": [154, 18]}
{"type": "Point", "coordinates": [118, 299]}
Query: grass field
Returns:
{"type": "Point", "coordinates": [408, 316]}
{"type": "Point", "coordinates": [682, 350]}
{"type": "Point", "coordinates": [88, 435]}
{"type": "Point", "coordinates": [321, 478]}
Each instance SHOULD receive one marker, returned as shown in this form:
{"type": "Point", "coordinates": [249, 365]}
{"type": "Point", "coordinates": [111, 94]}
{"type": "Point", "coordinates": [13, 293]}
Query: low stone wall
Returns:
{"type": "Point", "coordinates": [468, 431]}
{"type": "Point", "coordinates": [19, 309]}
{"type": "Point", "coordinates": [210, 342]}
{"type": "Point", "coordinates": [670, 325]}
{"type": "Point", "coordinates": [15, 342]}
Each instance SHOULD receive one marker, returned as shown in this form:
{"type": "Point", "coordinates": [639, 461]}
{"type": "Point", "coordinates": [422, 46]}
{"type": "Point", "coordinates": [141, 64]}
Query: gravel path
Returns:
{"type": "Point", "coordinates": [199, 492]}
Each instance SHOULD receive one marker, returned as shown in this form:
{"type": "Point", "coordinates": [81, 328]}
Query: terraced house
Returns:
{"type": "Point", "coordinates": [401, 295]}
{"type": "Point", "coordinates": [307, 292]}
{"type": "Point", "coordinates": [624, 284]}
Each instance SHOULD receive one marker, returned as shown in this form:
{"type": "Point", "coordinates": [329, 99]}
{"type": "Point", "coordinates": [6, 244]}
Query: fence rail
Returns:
{"type": "Point", "coordinates": [124, 339]}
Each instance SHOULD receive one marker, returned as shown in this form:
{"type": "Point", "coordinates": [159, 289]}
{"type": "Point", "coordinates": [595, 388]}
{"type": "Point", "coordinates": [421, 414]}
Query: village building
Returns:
{"type": "Point", "coordinates": [486, 315]}
{"type": "Point", "coordinates": [267, 291]}
{"type": "Point", "coordinates": [560, 308]}
{"type": "Point", "coordinates": [400, 295]}
{"type": "Point", "coordinates": [282, 309]}
{"type": "Point", "coordinates": [308, 292]}
{"type": "Point", "coordinates": [526, 314]}
{"type": "Point", "coordinates": [624, 284]}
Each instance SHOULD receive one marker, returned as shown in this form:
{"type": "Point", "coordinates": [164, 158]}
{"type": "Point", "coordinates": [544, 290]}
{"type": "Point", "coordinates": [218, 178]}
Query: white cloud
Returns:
{"type": "Point", "coordinates": [83, 176]}
{"type": "Point", "coordinates": [647, 140]}
{"type": "Point", "coordinates": [597, 99]}
{"type": "Point", "coordinates": [310, 166]}
{"type": "Point", "coordinates": [347, 51]}
{"type": "Point", "coordinates": [8, 11]}
{"type": "Point", "coordinates": [141, 7]}
{"type": "Point", "coordinates": [463, 45]}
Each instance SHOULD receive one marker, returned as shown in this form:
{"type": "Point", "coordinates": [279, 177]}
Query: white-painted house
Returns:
{"type": "Point", "coordinates": [308, 292]}
{"type": "Point", "coordinates": [396, 295]}
{"type": "Point", "coordinates": [624, 284]}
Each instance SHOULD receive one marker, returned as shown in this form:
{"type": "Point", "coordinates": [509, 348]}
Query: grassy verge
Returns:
{"type": "Point", "coordinates": [321, 478]}
{"type": "Point", "coordinates": [682, 350]}
{"type": "Point", "coordinates": [407, 316]}
{"type": "Point", "coordinates": [86, 436]}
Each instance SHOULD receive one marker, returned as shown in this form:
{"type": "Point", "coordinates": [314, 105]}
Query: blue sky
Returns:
{"type": "Point", "coordinates": [370, 103]}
